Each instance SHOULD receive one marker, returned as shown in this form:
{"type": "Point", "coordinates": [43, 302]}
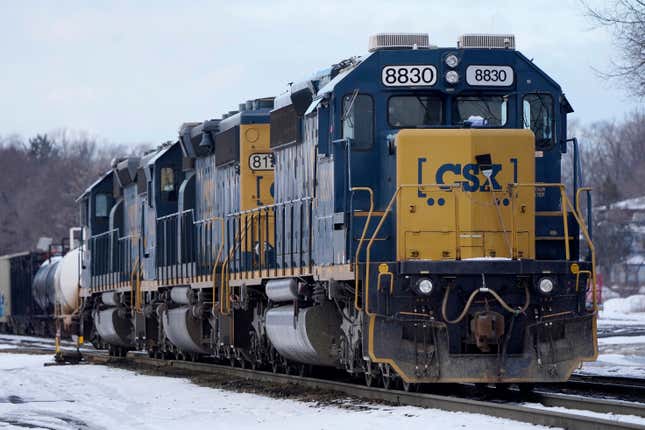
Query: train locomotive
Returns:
{"type": "Point", "coordinates": [401, 216]}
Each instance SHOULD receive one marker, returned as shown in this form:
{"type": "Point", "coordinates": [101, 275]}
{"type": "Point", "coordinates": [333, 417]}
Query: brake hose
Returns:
{"type": "Point", "coordinates": [501, 301]}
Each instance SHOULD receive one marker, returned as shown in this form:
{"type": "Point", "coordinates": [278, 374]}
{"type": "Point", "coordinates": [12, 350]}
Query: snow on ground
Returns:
{"type": "Point", "coordinates": [600, 415]}
{"type": "Point", "coordinates": [621, 339]}
{"type": "Point", "coordinates": [99, 397]}
{"type": "Point", "coordinates": [622, 306]}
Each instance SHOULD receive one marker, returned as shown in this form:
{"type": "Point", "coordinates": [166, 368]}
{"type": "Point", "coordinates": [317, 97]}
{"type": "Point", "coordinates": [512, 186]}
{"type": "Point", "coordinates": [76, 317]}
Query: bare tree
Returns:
{"type": "Point", "coordinates": [626, 19]}
{"type": "Point", "coordinates": [613, 156]}
{"type": "Point", "coordinates": [41, 180]}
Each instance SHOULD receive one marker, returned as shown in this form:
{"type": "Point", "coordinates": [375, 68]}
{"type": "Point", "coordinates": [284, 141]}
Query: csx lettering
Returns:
{"type": "Point", "coordinates": [470, 174]}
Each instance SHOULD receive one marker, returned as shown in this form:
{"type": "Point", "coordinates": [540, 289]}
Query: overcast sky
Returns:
{"type": "Point", "coordinates": [131, 72]}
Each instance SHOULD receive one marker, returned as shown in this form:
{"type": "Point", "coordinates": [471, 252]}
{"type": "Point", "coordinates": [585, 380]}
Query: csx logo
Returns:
{"type": "Point", "coordinates": [469, 172]}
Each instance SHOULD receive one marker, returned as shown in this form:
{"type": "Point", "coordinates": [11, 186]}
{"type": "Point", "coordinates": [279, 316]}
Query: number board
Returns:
{"type": "Point", "coordinates": [409, 75]}
{"type": "Point", "coordinates": [261, 161]}
{"type": "Point", "coordinates": [489, 76]}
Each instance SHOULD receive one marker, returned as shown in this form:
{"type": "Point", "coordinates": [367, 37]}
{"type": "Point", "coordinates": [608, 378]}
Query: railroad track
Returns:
{"type": "Point", "coordinates": [533, 415]}
{"type": "Point", "coordinates": [498, 404]}
{"type": "Point", "coordinates": [625, 387]}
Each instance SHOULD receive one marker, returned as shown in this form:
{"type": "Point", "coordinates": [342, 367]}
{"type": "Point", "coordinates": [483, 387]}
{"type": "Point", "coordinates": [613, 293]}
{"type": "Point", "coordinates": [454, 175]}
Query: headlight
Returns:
{"type": "Point", "coordinates": [452, 61]}
{"type": "Point", "coordinates": [424, 286]}
{"type": "Point", "coordinates": [545, 285]}
{"type": "Point", "coordinates": [452, 77]}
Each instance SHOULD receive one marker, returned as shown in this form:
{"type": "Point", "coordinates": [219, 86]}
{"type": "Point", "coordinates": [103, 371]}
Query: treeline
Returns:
{"type": "Point", "coordinates": [613, 158]}
{"type": "Point", "coordinates": [40, 179]}
{"type": "Point", "coordinates": [613, 164]}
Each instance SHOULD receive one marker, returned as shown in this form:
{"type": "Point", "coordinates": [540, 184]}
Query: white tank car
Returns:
{"type": "Point", "coordinates": [57, 281]}
{"type": "Point", "coordinates": [67, 281]}
{"type": "Point", "coordinates": [43, 285]}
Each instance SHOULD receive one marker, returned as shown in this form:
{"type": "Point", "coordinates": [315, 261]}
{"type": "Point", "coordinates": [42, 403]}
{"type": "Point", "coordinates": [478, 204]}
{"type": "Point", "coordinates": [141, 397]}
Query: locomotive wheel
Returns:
{"type": "Point", "coordinates": [387, 377]}
{"type": "Point", "coordinates": [303, 370]}
{"type": "Point", "coordinates": [371, 375]}
{"type": "Point", "coordinates": [410, 387]}
{"type": "Point", "coordinates": [255, 353]}
{"type": "Point", "coordinates": [369, 379]}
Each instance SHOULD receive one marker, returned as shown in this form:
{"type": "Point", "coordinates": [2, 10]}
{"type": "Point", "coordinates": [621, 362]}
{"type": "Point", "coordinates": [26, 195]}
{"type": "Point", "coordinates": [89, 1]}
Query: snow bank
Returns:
{"type": "Point", "coordinates": [628, 305]}
{"type": "Point", "coordinates": [610, 293]}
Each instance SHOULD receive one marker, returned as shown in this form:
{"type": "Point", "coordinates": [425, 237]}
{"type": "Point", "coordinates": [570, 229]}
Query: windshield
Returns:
{"type": "Point", "coordinates": [488, 111]}
{"type": "Point", "coordinates": [414, 111]}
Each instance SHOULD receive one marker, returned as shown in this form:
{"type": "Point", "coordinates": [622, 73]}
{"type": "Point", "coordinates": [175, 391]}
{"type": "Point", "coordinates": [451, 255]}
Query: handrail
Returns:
{"type": "Point", "coordinates": [388, 209]}
{"type": "Point", "coordinates": [360, 242]}
{"type": "Point", "coordinates": [177, 214]}
{"type": "Point", "coordinates": [225, 267]}
{"type": "Point", "coordinates": [592, 250]}
{"type": "Point", "coordinates": [575, 211]}
{"type": "Point", "coordinates": [219, 253]}
{"type": "Point", "coordinates": [565, 206]}
{"type": "Point", "coordinates": [271, 206]}
{"type": "Point", "coordinates": [578, 193]}
{"type": "Point", "coordinates": [133, 289]}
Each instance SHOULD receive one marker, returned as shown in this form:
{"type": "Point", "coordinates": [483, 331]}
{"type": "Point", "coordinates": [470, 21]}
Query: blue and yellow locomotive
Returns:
{"type": "Point", "coordinates": [400, 216]}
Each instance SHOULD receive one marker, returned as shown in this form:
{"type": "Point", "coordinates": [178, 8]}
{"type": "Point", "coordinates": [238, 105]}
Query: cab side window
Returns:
{"type": "Point", "coordinates": [101, 206]}
{"type": "Point", "coordinates": [537, 114]}
{"type": "Point", "coordinates": [358, 120]}
{"type": "Point", "coordinates": [167, 184]}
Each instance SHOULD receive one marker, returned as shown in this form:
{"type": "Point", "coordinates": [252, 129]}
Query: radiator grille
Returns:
{"type": "Point", "coordinates": [398, 40]}
{"type": "Point", "coordinates": [496, 41]}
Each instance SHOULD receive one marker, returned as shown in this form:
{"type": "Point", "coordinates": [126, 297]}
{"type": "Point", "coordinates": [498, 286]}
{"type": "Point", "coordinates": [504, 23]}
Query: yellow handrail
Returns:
{"type": "Point", "coordinates": [442, 187]}
{"type": "Point", "coordinates": [219, 254]}
{"type": "Point", "coordinates": [592, 250]}
{"type": "Point", "coordinates": [360, 242]}
{"type": "Point", "coordinates": [565, 206]}
{"type": "Point", "coordinates": [135, 301]}
{"type": "Point", "coordinates": [224, 296]}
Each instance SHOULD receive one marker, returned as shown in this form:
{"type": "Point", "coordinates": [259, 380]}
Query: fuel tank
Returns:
{"type": "Point", "coordinates": [312, 338]}
{"type": "Point", "coordinates": [183, 330]}
{"type": "Point", "coordinates": [113, 327]}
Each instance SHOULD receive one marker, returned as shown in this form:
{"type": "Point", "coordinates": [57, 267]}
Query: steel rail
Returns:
{"type": "Point", "coordinates": [527, 414]}
{"type": "Point", "coordinates": [618, 385]}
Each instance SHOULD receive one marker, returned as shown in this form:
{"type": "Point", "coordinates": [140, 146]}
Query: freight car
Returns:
{"type": "Point", "coordinates": [39, 290]}
{"type": "Point", "coordinates": [400, 216]}
{"type": "Point", "coordinates": [19, 312]}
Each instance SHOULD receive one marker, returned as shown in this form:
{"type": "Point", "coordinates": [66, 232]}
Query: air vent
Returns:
{"type": "Point", "coordinates": [492, 41]}
{"type": "Point", "coordinates": [398, 41]}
